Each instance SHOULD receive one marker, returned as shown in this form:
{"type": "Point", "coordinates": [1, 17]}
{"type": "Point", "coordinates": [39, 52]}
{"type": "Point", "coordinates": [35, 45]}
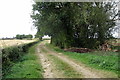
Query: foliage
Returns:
{"type": "Point", "coordinates": [76, 24]}
{"type": "Point", "coordinates": [27, 67]}
{"type": "Point", "coordinates": [12, 54]}
{"type": "Point", "coordinates": [18, 36]}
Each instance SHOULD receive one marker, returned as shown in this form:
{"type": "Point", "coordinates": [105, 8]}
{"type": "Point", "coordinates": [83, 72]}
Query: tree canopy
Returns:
{"type": "Point", "coordinates": [75, 24]}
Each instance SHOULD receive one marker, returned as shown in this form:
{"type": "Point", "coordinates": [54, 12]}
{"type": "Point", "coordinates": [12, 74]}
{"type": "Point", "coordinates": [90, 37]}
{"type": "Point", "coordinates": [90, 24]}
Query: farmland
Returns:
{"type": "Point", "coordinates": [7, 43]}
{"type": "Point", "coordinates": [72, 40]}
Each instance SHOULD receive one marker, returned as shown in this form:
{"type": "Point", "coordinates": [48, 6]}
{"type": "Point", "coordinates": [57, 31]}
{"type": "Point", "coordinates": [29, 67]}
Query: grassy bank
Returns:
{"type": "Point", "coordinates": [27, 66]}
{"type": "Point", "coordinates": [107, 61]}
{"type": "Point", "coordinates": [11, 55]}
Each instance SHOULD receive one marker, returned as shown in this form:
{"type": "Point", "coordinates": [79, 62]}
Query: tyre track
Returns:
{"type": "Point", "coordinates": [80, 68]}
{"type": "Point", "coordinates": [45, 64]}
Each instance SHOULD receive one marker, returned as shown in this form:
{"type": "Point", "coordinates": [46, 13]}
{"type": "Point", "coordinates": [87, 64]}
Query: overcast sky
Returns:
{"type": "Point", "coordinates": [15, 18]}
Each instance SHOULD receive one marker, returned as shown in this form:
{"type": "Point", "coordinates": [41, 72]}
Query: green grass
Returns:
{"type": "Point", "coordinates": [100, 60]}
{"type": "Point", "coordinates": [68, 71]}
{"type": "Point", "coordinates": [27, 67]}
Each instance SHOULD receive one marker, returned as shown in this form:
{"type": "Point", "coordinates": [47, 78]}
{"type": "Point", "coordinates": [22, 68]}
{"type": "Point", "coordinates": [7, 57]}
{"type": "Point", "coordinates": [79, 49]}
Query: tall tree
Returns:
{"type": "Point", "coordinates": [77, 24]}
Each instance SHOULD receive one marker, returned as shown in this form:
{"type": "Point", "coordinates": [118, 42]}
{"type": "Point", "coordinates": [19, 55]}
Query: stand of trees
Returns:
{"type": "Point", "coordinates": [75, 24]}
{"type": "Point", "coordinates": [18, 36]}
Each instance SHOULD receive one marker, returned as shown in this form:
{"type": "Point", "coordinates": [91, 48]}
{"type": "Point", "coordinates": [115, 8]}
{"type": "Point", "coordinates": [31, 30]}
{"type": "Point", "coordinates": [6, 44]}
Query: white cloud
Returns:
{"type": "Point", "coordinates": [15, 18]}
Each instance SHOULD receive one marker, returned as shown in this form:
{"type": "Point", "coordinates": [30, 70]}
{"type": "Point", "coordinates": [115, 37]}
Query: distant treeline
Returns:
{"type": "Point", "coordinates": [23, 36]}
{"type": "Point", "coordinates": [7, 38]}
{"type": "Point", "coordinates": [19, 36]}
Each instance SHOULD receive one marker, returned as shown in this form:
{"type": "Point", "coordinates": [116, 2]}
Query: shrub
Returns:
{"type": "Point", "coordinates": [12, 54]}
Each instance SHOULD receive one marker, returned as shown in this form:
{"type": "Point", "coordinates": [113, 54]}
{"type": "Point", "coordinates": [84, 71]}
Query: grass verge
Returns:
{"type": "Point", "coordinates": [27, 67]}
{"type": "Point", "coordinates": [107, 61]}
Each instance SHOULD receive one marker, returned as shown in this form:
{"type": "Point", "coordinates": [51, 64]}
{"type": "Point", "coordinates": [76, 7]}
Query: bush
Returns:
{"type": "Point", "coordinates": [12, 54]}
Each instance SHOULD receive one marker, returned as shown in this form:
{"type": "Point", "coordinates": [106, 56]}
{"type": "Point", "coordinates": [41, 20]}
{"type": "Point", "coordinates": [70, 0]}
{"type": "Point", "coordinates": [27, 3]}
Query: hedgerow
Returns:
{"type": "Point", "coordinates": [11, 55]}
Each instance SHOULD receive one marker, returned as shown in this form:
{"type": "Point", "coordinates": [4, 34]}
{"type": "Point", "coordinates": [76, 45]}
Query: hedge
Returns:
{"type": "Point", "coordinates": [10, 55]}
